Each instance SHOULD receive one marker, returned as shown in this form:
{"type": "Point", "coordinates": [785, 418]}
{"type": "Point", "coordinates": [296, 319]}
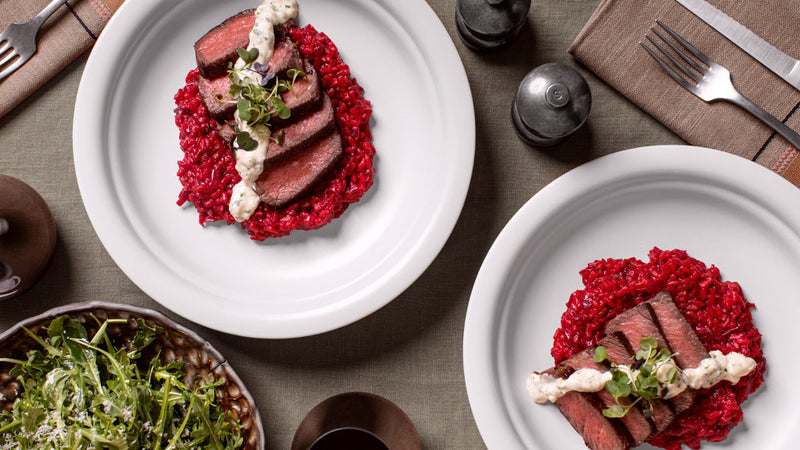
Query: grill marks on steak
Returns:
{"type": "Point", "coordinates": [309, 145]}
{"type": "Point", "coordinates": [659, 318]}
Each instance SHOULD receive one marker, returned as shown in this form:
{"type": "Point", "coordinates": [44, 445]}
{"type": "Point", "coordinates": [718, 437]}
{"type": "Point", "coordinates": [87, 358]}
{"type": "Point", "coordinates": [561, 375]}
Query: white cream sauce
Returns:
{"type": "Point", "coordinates": [543, 388]}
{"type": "Point", "coordinates": [717, 367]}
{"type": "Point", "coordinates": [250, 164]}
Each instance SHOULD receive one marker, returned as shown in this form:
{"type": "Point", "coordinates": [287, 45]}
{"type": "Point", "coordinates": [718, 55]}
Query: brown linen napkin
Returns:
{"type": "Point", "coordinates": [67, 34]}
{"type": "Point", "coordinates": [608, 45]}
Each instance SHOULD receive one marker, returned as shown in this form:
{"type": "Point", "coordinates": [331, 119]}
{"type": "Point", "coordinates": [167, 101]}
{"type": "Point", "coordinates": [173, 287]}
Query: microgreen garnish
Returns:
{"type": "Point", "coordinates": [645, 383]}
{"type": "Point", "coordinates": [257, 94]}
{"type": "Point", "coordinates": [248, 56]}
{"type": "Point", "coordinates": [279, 138]}
{"type": "Point", "coordinates": [82, 391]}
{"type": "Point", "coordinates": [245, 142]}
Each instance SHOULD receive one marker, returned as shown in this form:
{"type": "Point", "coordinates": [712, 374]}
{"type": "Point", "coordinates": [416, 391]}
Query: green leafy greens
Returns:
{"type": "Point", "coordinates": [82, 392]}
{"type": "Point", "coordinates": [641, 379]}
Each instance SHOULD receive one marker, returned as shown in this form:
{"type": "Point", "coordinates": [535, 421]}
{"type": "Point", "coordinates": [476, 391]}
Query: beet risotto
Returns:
{"type": "Point", "coordinates": [207, 171]}
{"type": "Point", "coordinates": [716, 309]}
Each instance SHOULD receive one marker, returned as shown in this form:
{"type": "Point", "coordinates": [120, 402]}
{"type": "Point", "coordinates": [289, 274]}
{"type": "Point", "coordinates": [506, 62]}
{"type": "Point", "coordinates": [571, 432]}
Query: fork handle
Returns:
{"type": "Point", "coordinates": [47, 12]}
{"type": "Point", "coordinates": [768, 119]}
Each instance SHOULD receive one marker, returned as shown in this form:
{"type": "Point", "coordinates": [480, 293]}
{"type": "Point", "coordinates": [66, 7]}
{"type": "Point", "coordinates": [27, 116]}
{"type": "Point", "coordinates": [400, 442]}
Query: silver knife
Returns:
{"type": "Point", "coordinates": [775, 60]}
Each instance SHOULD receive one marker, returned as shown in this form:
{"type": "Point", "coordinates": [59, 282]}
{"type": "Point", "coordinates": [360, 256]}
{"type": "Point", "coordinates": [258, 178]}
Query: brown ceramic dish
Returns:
{"type": "Point", "coordinates": [28, 244]}
{"type": "Point", "coordinates": [201, 360]}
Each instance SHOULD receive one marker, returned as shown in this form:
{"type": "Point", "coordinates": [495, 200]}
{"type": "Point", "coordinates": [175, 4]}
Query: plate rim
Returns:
{"type": "Point", "coordinates": [483, 313]}
{"type": "Point", "coordinates": [91, 163]}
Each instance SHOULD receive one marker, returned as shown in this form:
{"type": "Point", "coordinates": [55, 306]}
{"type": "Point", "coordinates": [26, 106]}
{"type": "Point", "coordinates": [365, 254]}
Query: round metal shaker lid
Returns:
{"type": "Point", "coordinates": [490, 24]}
{"type": "Point", "coordinates": [552, 102]}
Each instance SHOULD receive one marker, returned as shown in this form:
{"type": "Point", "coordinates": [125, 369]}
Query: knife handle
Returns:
{"type": "Point", "coordinates": [768, 119]}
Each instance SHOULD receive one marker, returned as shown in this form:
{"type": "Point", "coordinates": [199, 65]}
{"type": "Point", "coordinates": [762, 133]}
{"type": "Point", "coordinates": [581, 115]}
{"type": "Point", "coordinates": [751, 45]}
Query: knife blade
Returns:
{"type": "Point", "coordinates": [773, 59]}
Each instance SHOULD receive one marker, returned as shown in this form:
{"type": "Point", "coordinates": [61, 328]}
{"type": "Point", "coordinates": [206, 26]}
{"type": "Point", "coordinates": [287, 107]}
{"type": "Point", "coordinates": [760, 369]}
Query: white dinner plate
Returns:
{"type": "Point", "coordinates": [126, 153]}
{"type": "Point", "coordinates": [721, 209]}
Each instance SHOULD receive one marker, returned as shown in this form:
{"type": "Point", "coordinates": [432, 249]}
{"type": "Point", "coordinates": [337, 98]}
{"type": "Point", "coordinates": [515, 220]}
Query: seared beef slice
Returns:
{"type": "Point", "coordinates": [297, 136]}
{"type": "Point", "coordinates": [620, 352]}
{"type": "Point", "coordinates": [216, 48]}
{"type": "Point", "coordinates": [634, 426]}
{"type": "Point", "coordinates": [643, 320]}
{"type": "Point", "coordinates": [288, 180]}
{"type": "Point", "coordinates": [209, 90]}
{"type": "Point", "coordinates": [676, 329]}
{"type": "Point", "coordinates": [304, 97]}
{"type": "Point", "coordinates": [658, 318]}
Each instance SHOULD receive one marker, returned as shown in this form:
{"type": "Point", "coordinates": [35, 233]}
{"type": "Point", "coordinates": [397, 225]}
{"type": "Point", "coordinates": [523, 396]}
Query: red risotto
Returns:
{"type": "Point", "coordinates": [716, 309]}
{"type": "Point", "coordinates": [207, 171]}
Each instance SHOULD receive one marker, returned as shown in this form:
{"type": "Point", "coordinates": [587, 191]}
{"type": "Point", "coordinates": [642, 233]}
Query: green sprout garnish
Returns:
{"type": "Point", "coordinates": [248, 56]}
{"type": "Point", "coordinates": [82, 392]}
{"type": "Point", "coordinates": [256, 102]}
{"type": "Point", "coordinates": [645, 385]}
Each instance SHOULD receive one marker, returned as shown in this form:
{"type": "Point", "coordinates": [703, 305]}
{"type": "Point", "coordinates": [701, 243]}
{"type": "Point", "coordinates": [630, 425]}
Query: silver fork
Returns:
{"type": "Point", "coordinates": [18, 41]}
{"type": "Point", "coordinates": [710, 81]}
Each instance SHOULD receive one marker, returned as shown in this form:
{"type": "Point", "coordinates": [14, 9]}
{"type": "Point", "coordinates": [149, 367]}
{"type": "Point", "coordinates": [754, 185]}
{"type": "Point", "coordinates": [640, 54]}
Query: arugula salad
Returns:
{"type": "Point", "coordinates": [83, 392]}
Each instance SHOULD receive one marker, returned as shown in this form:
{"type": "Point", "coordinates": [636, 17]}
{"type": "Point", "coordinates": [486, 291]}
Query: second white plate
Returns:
{"type": "Point", "coordinates": [126, 152]}
{"type": "Point", "coordinates": [722, 209]}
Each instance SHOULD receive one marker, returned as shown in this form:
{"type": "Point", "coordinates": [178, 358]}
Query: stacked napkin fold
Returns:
{"type": "Point", "coordinates": [609, 46]}
{"type": "Point", "coordinates": [67, 34]}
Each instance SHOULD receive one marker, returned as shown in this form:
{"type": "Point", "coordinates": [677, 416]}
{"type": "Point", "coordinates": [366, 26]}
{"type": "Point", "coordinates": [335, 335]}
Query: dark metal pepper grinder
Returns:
{"type": "Point", "coordinates": [488, 25]}
{"type": "Point", "coordinates": [552, 102]}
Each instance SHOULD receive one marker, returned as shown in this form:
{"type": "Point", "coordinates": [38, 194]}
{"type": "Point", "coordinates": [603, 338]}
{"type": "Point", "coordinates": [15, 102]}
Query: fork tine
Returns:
{"type": "Point", "coordinates": [10, 69]}
{"type": "Point", "coordinates": [3, 45]}
{"type": "Point", "coordinates": [700, 55]}
{"type": "Point", "coordinates": [8, 58]}
{"type": "Point", "coordinates": [667, 68]}
{"type": "Point", "coordinates": [680, 52]}
{"type": "Point", "coordinates": [687, 71]}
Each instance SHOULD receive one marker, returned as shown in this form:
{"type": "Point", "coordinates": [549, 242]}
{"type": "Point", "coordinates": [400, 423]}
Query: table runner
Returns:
{"type": "Point", "coordinates": [609, 46]}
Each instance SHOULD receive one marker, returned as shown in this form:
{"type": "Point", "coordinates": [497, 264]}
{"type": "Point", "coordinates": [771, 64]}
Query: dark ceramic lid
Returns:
{"type": "Point", "coordinates": [493, 19]}
{"type": "Point", "coordinates": [28, 243]}
{"type": "Point", "coordinates": [552, 101]}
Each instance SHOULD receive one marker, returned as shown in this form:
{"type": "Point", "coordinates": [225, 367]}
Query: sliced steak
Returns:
{"type": "Point", "coordinates": [637, 427]}
{"type": "Point", "coordinates": [620, 352]}
{"type": "Point", "coordinates": [209, 88]}
{"type": "Point", "coordinates": [216, 48]}
{"type": "Point", "coordinates": [285, 56]}
{"type": "Point", "coordinates": [300, 134]}
{"type": "Point", "coordinates": [584, 413]}
{"type": "Point", "coordinates": [303, 98]}
{"type": "Point", "coordinates": [225, 130]}
{"type": "Point", "coordinates": [287, 180]}
{"type": "Point", "coordinates": [676, 329]}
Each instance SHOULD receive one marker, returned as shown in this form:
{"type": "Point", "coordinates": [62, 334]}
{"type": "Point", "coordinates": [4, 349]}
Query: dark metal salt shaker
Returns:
{"type": "Point", "coordinates": [487, 25]}
{"type": "Point", "coordinates": [552, 102]}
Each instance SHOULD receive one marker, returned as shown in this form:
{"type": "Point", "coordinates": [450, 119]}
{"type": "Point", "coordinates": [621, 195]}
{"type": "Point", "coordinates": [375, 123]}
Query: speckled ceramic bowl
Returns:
{"type": "Point", "coordinates": [201, 360]}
